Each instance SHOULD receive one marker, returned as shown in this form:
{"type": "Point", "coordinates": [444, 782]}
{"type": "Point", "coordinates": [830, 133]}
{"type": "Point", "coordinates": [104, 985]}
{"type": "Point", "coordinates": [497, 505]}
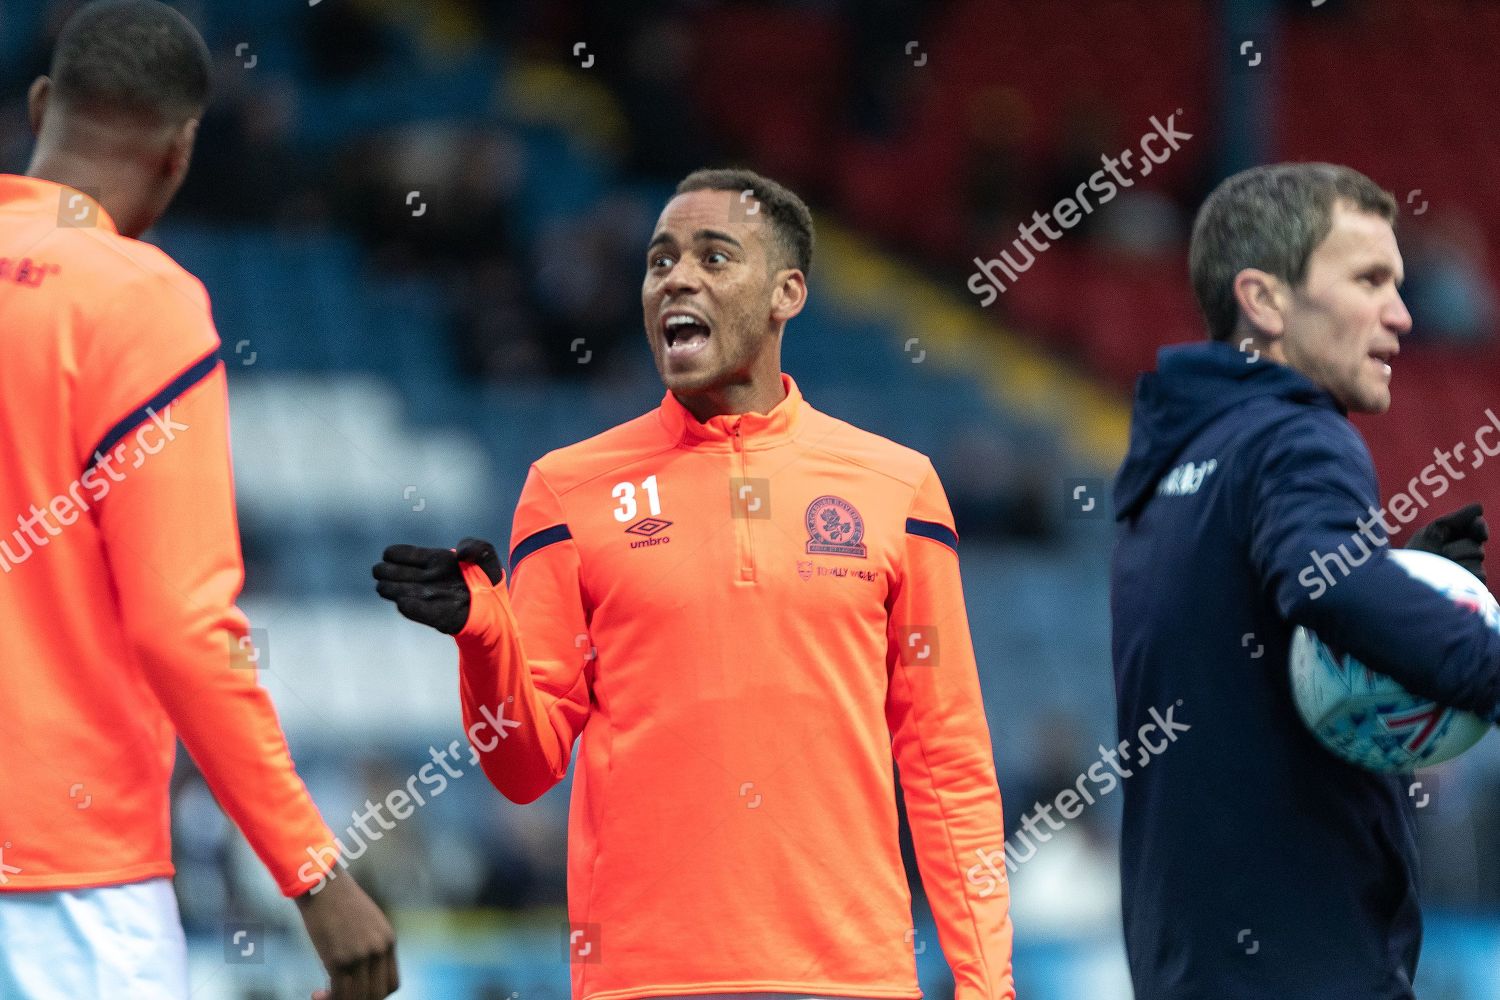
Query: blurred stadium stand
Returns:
{"type": "Point", "coordinates": [421, 226]}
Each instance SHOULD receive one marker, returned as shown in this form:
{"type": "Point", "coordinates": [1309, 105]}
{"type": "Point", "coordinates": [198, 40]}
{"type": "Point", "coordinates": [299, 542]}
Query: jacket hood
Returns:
{"type": "Point", "coordinates": [1192, 385]}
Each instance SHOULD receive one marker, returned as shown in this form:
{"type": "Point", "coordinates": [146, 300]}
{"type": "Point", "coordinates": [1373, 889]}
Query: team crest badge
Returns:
{"type": "Point", "coordinates": [834, 528]}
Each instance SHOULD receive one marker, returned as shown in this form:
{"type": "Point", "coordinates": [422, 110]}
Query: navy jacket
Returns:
{"type": "Point", "coordinates": [1255, 864]}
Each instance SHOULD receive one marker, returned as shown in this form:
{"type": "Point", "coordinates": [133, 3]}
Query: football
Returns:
{"type": "Point", "coordinates": [1367, 718]}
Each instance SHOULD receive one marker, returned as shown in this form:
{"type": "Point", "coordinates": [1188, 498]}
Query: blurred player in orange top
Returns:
{"type": "Point", "coordinates": [119, 552]}
{"type": "Point", "coordinates": [746, 608]}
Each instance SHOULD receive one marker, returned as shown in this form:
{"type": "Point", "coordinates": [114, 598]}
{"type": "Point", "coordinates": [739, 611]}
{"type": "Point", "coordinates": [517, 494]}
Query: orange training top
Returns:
{"type": "Point", "coordinates": [745, 619]}
{"type": "Point", "coordinates": [120, 563]}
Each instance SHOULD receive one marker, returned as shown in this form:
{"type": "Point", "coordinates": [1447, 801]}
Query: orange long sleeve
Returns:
{"type": "Point", "coordinates": [523, 712]}
{"type": "Point", "coordinates": [942, 746]}
{"type": "Point", "coordinates": [120, 564]}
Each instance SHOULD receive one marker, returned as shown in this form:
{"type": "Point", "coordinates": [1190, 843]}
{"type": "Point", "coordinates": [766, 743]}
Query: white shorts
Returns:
{"type": "Point", "coordinates": [118, 942]}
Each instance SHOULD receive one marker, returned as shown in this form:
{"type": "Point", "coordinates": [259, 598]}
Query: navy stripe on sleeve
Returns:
{"type": "Point", "coordinates": [195, 373]}
{"type": "Point", "coordinates": [933, 530]}
{"type": "Point", "coordinates": [538, 540]}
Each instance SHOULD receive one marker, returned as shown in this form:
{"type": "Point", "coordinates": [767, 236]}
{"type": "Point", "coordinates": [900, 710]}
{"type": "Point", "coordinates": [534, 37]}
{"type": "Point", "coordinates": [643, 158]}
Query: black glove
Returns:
{"type": "Point", "coordinates": [428, 585]}
{"type": "Point", "coordinates": [1459, 536]}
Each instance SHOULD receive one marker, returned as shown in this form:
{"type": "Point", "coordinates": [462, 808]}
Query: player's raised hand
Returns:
{"type": "Point", "coordinates": [428, 586]}
{"type": "Point", "coordinates": [353, 939]}
{"type": "Point", "coordinates": [1459, 536]}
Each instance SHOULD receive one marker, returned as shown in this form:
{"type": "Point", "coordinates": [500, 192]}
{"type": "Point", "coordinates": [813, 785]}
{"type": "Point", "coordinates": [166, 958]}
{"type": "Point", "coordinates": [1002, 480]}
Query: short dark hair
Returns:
{"type": "Point", "coordinates": [788, 213]}
{"type": "Point", "coordinates": [1271, 218]}
{"type": "Point", "coordinates": [132, 57]}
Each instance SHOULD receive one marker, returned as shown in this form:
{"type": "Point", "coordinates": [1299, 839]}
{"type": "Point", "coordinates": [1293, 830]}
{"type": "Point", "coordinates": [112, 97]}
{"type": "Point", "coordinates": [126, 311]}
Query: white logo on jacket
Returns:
{"type": "Point", "coordinates": [1186, 479]}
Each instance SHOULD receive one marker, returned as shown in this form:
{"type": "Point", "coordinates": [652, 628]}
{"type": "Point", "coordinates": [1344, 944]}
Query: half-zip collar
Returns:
{"type": "Point", "coordinates": [755, 430]}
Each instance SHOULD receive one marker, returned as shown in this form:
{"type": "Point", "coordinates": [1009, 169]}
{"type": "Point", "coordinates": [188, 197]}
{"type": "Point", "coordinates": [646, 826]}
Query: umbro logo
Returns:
{"type": "Point", "coordinates": [651, 527]}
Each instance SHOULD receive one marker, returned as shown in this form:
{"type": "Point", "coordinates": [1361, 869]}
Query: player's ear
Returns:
{"type": "Point", "coordinates": [789, 295]}
{"type": "Point", "coordinates": [1262, 300]}
{"type": "Point", "coordinates": [36, 102]}
{"type": "Point", "coordinates": [180, 150]}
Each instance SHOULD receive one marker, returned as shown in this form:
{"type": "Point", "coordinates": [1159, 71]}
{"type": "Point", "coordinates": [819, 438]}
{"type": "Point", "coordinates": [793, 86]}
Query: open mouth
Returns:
{"type": "Point", "coordinates": [684, 333]}
{"type": "Point", "coordinates": [1384, 357]}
